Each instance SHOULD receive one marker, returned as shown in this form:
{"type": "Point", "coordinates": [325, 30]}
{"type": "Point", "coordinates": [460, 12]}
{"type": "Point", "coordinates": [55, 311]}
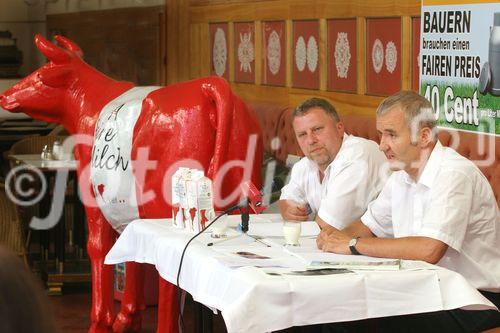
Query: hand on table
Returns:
{"type": "Point", "coordinates": [293, 211]}
{"type": "Point", "coordinates": [333, 240]}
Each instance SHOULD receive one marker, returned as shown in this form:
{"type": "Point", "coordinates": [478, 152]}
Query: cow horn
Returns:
{"type": "Point", "coordinates": [69, 45]}
{"type": "Point", "coordinates": [52, 52]}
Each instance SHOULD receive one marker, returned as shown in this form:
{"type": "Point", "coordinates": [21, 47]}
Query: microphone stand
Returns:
{"type": "Point", "coordinates": [245, 216]}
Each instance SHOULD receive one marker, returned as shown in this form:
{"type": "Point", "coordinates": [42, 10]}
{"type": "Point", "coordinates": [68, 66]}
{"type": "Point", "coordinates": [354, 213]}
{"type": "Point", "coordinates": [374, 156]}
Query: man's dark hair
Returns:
{"type": "Point", "coordinates": [315, 102]}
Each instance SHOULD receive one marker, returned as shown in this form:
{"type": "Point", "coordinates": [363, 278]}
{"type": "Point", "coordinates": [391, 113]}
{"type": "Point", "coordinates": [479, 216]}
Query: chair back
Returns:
{"type": "Point", "coordinates": [12, 232]}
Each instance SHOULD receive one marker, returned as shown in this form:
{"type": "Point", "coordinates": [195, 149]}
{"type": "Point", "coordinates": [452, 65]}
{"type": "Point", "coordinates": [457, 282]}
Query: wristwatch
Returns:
{"type": "Point", "coordinates": [352, 246]}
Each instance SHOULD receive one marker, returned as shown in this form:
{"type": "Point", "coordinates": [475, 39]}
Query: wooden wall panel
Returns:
{"type": "Point", "coordinates": [190, 59]}
{"type": "Point", "coordinates": [258, 52]}
{"type": "Point", "coordinates": [126, 44]}
{"type": "Point", "coordinates": [301, 9]}
{"type": "Point", "coordinates": [134, 44]}
{"type": "Point", "coordinates": [406, 57]}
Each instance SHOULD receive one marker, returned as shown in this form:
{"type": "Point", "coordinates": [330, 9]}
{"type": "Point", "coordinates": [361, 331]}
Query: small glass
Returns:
{"type": "Point", "coordinates": [46, 153]}
{"type": "Point", "coordinates": [219, 227]}
{"type": "Point", "coordinates": [291, 232]}
{"type": "Point", "coordinates": [57, 153]}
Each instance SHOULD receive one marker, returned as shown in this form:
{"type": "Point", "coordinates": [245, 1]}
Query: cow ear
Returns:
{"type": "Point", "coordinates": [55, 77]}
{"type": "Point", "coordinates": [69, 45]}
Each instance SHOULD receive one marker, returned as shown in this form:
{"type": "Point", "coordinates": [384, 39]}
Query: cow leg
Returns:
{"type": "Point", "coordinates": [101, 239]}
{"type": "Point", "coordinates": [129, 318]}
{"type": "Point", "coordinates": [168, 308]}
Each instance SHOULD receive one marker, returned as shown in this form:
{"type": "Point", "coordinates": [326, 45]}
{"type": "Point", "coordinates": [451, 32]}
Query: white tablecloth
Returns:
{"type": "Point", "coordinates": [252, 301]}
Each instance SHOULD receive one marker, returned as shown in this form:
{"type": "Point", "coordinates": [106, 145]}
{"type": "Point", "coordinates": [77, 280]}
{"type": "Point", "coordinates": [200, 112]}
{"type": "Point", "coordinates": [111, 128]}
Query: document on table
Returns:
{"type": "Point", "coordinates": [240, 256]}
{"type": "Point", "coordinates": [310, 255]}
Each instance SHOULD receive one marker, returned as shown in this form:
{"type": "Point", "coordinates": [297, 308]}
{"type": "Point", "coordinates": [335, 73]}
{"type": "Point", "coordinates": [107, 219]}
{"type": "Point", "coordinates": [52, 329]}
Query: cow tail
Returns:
{"type": "Point", "coordinates": [218, 92]}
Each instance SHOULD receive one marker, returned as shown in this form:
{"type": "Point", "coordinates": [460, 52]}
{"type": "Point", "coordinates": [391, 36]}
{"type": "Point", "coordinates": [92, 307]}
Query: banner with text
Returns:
{"type": "Point", "coordinates": [460, 63]}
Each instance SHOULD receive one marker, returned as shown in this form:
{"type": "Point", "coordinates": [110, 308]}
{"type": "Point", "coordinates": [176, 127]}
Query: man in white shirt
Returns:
{"type": "Point", "coordinates": [437, 207]}
{"type": "Point", "coordinates": [340, 173]}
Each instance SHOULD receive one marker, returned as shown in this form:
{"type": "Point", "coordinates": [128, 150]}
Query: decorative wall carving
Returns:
{"type": "Point", "coordinates": [342, 55]}
{"type": "Point", "coordinates": [273, 53]}
{"type": "Point", "coordinates": [383, 56]}
{"type": "Point", "coordinates": [305, 51]}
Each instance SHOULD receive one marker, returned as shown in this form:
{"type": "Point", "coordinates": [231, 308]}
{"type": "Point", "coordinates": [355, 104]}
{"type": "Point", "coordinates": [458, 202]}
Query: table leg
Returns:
{"type": "Point", "coordinates": [44, 209]}
{"type": "Point", "coordinates": [168, 307]}
{"type": "Point", "coordinates": [61, 250]}
{"type": "Point", "coordinates": [78, 222]}
{"type": "Point", "coordinates": [205, 319]}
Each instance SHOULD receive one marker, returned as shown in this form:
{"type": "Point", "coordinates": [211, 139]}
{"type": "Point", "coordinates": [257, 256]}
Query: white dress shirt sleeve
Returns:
{"type": "Point", "coordinates": [449, 208]}
{"type": "Point", "coordinates": [295, 190]}
{"type": "Point", "coordinates": [378, 215]}
{"type": "Point", "coordinates": [345, 200]}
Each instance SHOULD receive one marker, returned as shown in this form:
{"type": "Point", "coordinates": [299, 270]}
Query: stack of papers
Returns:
{"type": "Point", "coordinates": [268, 230]}
{"type": "Point", "coordinates": [319, 259]}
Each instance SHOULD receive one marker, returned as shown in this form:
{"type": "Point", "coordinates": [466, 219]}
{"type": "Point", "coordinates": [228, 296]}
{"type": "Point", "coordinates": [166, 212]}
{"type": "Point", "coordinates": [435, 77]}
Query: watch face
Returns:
{"type": "Point", "coordinates": [353, 242]}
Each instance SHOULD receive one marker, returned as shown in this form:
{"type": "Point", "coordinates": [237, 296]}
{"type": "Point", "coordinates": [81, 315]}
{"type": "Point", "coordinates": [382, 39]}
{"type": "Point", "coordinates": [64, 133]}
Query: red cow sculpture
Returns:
{"type": "Point", "coordinates": [200, 120]}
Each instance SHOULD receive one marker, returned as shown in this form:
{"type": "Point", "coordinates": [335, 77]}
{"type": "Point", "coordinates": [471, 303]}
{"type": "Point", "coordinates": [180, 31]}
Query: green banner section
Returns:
{"type": "Point", "coordinates": [459, 64]}
{"type": "Point", "coordinates": [462, 106]}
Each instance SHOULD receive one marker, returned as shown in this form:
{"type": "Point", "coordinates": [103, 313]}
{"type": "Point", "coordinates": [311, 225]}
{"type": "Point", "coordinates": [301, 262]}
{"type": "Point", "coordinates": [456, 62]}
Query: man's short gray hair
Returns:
{"type": "Point", "coordinates": [316, 102]}
{"type": "Point", "coordinates": [417, 109]}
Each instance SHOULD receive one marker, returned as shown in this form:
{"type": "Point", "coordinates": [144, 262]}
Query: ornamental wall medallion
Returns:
{"type": "Point", "coordinates": [383, 56]}
{"type": "Point", "coordinates": [219, 50]}
{"type": "Point", "coordinates": [300, 54]}
{"type": "Point", "coordinates": [305, 69]}
{"type": "Point", "coordinates": [391, 56]}
{"type": "Point", "coordinates": [342, 55]}
{"type": "Point", "coordinates": [312, 54]}
{"type": "Point", "coordinates": [244, 41]}
{"type": "Point", "coordinates": [377, 55]}
{"type": "Point", "coordinates": [273, 53]}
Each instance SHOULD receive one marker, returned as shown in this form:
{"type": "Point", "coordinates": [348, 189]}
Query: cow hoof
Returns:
{"type": "Point", "coordinates": [99, 328]}
{"type": "Point", "coordinates": [127, 323]}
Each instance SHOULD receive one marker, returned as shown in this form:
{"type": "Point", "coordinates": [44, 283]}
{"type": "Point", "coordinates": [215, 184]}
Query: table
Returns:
{"type": "Point", "coordinates": [35, 160]}
{"type": "Point", "coordinates": [4, 123]}
{"type": "Point", "coordinates": [50, 168]}
{"type": "Point", "coordinates": [253, 301]}
{"type": "Point", "coordinates": [25, 130]}
{"type": "Point", "coordinates": [14, 131]}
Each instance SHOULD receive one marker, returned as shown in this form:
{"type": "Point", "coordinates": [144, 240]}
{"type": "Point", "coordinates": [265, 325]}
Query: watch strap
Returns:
{"type": "Point", "coordinates": [353, 249]}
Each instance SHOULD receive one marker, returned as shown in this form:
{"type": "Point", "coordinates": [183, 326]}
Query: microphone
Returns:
{"type": "Point", "coordinates": [253, 196]}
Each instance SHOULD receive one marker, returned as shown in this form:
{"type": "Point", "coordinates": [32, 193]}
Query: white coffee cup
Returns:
{"type": "Point", "coordinates": [291, 232]}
